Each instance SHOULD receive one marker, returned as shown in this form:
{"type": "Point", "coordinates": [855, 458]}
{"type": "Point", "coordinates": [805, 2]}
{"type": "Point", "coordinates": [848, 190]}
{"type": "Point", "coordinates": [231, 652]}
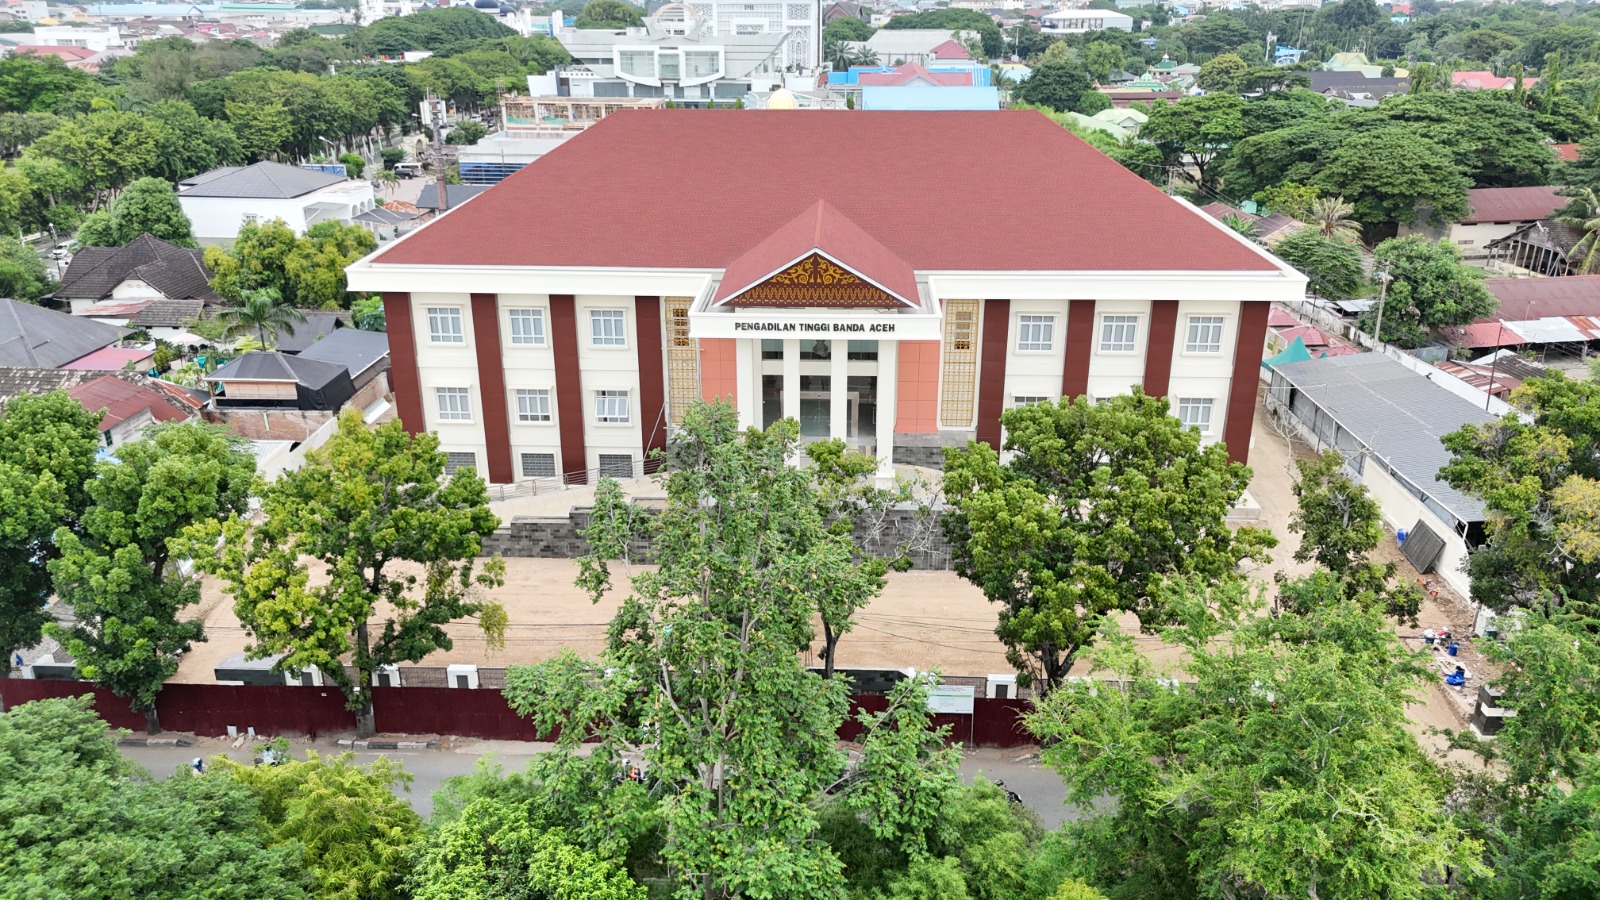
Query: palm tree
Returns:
{"type": "Point", "coordinates": [263, 313]}
{"type": "Point", "coordinates": [1245, 227]}
{"type": "Point", "coordinates": [1331, 217]}
{"type": "Point", "coordinates": [386, 179]}
{"type": "Point", "coordinates": [1583, 213]}
{"type": "Point", "coordinates": [862, 56]}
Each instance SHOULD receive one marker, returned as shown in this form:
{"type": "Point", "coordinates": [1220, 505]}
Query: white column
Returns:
{"type": "Point", "coordinates": [791, 380]}
{"type": "Point", "coordinates": [838, 404]}
{"type": "Point", "coordinates": [888, 384]}
{"type": "Point", "coordinates": [744, 369]}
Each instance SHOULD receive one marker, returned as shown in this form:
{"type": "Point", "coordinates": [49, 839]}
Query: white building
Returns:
{"type": "Point", "coordinates": [800, 23]}
{"type": "Point", "coordinates": [219, 202]}
{"type": "Point", "coordinates": [1079, 21]}
{"type": "Point", "coordinates": [1494, 213]}
{"type": "Point", "coordinates": [99, 39]}
{"type": "Point", "coordinates": [691, 69]}
{"type": "Point", "coordinates": [560, 323]}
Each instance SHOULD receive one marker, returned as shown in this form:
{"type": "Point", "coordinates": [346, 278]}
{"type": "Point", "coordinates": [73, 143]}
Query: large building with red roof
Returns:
{"type": "Point", "coordinates": [839, 268]}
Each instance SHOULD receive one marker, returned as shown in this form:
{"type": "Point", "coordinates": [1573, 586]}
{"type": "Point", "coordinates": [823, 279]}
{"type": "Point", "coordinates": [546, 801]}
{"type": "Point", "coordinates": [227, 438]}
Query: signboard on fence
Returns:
{"type": "Point", "coordinates": [951, 699]}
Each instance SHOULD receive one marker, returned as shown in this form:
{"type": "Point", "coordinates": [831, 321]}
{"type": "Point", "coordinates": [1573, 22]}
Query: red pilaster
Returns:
{"type": "Point", "coordinates": [1158, 351]}
{"type": "Point", "coordinates": [992, 370]}
{"type": "Point", "coordinates": [652, 374]}
{"type": "Point", "coordinates": [492, 386]}
{"type": "Point", "coordinates": [1080, 349]}
{"type": "Point", "coordinates": [569, 388]}
{"type": "Point", "coordinates": [403, 377]}
{"type": "Point", "coordinates": [1247, 353]}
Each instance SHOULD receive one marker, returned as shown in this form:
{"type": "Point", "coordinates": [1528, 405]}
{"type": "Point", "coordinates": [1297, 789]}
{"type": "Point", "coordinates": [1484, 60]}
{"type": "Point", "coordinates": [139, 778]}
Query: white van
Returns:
{"type": "Point", "coordinates": [408, 169]}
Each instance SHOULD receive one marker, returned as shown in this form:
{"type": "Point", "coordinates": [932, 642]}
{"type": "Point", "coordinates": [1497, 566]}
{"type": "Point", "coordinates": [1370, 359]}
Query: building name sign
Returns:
{"type": "Point", "coordinates": [817, 327]}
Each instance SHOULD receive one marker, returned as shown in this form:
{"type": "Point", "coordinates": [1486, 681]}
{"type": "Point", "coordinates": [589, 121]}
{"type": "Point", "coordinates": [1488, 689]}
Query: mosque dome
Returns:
{"type": "Point", "coordinates": [782, 98]}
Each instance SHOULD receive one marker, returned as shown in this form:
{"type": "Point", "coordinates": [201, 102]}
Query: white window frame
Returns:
{"type": "Point", "coordinates": [1185, 406]}
{"type": "Point", "coordinates": [605, 411]}
{"type": "Point", "coordinates": [438, 315]}
{"type": "Point", "coordinates": [1119, 320]}
{"type": "Point", "coordinates": [529, 402]}
{"type": "Point", "coordinates": [530, 315]}
{"type": "Point", "coordinates": [607, 340]}
{"type": "Point", "coordinates": [1018, 402]}
{"type": "Point", "coordinates": [460, 412]}
{"type": "Point", "coordinates": [1215, 325]}
{"type": "Point", "coordinates": [1036, 333]}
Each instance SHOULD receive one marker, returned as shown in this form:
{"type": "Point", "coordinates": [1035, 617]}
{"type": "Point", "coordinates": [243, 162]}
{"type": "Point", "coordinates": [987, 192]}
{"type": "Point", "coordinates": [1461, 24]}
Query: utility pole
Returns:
{"type": "Point", "coordinates": [438, 154]}
{"type": "Point", "coordinates": [1383, 293]}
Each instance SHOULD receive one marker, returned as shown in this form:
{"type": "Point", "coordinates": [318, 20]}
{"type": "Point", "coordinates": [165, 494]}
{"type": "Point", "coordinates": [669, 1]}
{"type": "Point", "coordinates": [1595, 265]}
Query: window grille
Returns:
{"type": "Point", "coordinates": [959, 377]}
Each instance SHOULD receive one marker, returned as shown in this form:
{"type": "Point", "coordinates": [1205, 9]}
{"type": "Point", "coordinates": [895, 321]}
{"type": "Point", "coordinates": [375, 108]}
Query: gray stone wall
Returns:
{"type": "Point", "coordinates": [559, 537]}
{"type": "Point", "coordinates": [926, 457]}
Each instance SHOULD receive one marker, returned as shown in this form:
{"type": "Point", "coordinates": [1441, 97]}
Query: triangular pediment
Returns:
{"type": "Point", "coordinates": [819, 259]}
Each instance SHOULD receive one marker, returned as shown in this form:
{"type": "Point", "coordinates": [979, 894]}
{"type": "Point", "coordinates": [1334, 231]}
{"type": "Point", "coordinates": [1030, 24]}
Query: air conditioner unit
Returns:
{"type": "Point", "coordinates": [310, 676]}
{"type": "Point", "coordinates": [462, 676]}
{"type": "Point", "coordinates": [1001, 687]}
{"type": "Point", "coordinates": [386, 676]}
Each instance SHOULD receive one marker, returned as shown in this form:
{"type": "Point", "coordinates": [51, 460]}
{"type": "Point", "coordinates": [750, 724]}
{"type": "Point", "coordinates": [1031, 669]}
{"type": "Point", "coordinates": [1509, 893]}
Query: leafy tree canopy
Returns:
{"type": "Point", "coordinates": [1393, 176]}
{"type": "Point", "coordinates": [1430, 288]}
{"type": "Point", "coordinates": [610, 14]}
{"type": "Point", "coordinates": [1335, 267]}
{"type": "Point", "coordinates": [148, 206]}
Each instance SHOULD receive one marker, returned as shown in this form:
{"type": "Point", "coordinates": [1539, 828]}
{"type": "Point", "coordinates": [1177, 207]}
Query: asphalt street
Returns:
{"type": "Point", "coordinates": [1040, 788]}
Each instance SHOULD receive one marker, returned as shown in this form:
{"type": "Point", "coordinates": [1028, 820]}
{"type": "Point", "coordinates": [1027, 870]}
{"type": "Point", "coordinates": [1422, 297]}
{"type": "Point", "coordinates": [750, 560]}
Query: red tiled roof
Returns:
{"type": "Point", "coordinates": [1532, 298]}
{"type": "Point", "coordinates": [109, 359]}
{"type": "Point", "coordinates": [1512, 204]}
{"type": "Point", "coordinates": [1566, 152]}
{"type": "Point", "coordinates": [1483, 79]}
{"type": "Point", "coordinates": [950, 50]}
{"type": "Point", "coordinates": [69, 54]}
{"type": "Point", "coordinates": [821, 229]}
{"type": "Point", "coordinates": [1310, 336]}
{"type": "Point", "coordinates": [122, 401]}
{"type": "Point", "coordinates": [1340, 350]}
{"type": "Point", "coordinates": [911, 72]}
{"type": "Point", "coordinates": [1483, 334]}
{"type": "Point", "coordinates": [687, 189]}
{"type": "Point", "coordinates": [1282, 318]}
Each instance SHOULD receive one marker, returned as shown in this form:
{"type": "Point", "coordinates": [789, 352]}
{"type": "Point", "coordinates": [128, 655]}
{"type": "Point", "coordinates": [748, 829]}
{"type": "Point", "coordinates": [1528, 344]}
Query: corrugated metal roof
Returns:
{"type": "Point", "coordinates": [1398, 414]}
{"type": "Point", "coordinates": [263, 180]}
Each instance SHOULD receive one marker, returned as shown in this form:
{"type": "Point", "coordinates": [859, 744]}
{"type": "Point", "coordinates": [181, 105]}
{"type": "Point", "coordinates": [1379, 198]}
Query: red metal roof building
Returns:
{"type": "Point", "coordinates": [129, 407]}
{"type": "Point", "coordinates": [827, 266]}
{"type": "Point", "coordinates": [1512, 204]}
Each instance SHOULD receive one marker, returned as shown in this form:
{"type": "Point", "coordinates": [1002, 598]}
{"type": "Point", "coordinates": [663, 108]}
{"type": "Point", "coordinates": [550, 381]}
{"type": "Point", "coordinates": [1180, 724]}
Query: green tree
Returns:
{"type": "Point", "coordinates": [1491, 138]}
{"type": "Point", "coordinates": [261, 313]}
{"type": "Point", "coordinates": [1103, 60]}
{"type": "Point", "coordinates": [493, 851]}
{"type": "Point", "coordinates": [257, 260]}
{"type": "Point", "coordinates": [1243, 226]}
{"type": "Point", "coordinates": [847, 28]}
{"type": "Point", "coordinates": [1219, 32]}
{"type": "Point", "coordinates": [1290, 199]}
{"type": "Point", "coordinates": [83, 822]}
{"type": "Point", "coordinates": [610, 14]}
{"type": "Point", "coordinates": [34, 84]}
{"type": "Point", "coordinates": [149, 206]}
{"type": "Point", "coordinates": [1057, 85]}
{"type": "Point", "coordinates": [1338, 520]}
{"type": "Point", "coordinates": [1223, 72]}
{"type": "Point", "coordinates": [354, 165]}
{"type": "Point", "coordinates": [106, 150]}
{"type": "Point", "coordinates": [368, 313]}
{"type": "Point", "coordinates": [1194, 132]}
{"type": "Point", "coordinates": [1538, 482]}
{"type": "Point", "coordinates": [314, 269]}
{"type": "Point", "coordinates": [702, 681]}
{"type": "Point", "coordinates": [1286, 770]}
{"type": "Point", "coordinates": [356, 834]}
{"type": "Point", "coordinates": [1431, 288]}
{"type": "Point", "coordinates": [1335, 267]}
{"type": "Point", "coordinates": [120, 575]}
{"type": "Point", "coordinates": [1393, 176]}
{"type": "Point", "coordinates": [372, 509]}
{"type": "Point", "coordinates": [469, 132]}
{"type": "Point", "coordinates": [264, 129]}
{"type": "Point", "coordinates": [1294, 154]}
{"type": "Point", "coordinates": [1099, 507]}
{"type": "Point", "coordinates": [22, 272]}
{"type": "Point", "coordinates": [1547, 846]}
{"type": "Point", "coordinates": [19, 129]}
{"type": "Point", "coordinates": [1582, 212]}
{"type": "Point", "coordinates": [47, 449]}
{"type": "Point", "coordinates": [188, 143]}
{"type": "Point", "coordinates": [1331, 217]}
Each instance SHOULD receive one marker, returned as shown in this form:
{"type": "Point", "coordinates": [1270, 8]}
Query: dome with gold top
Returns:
{"type": "Point", "coordinates": [782, 98]}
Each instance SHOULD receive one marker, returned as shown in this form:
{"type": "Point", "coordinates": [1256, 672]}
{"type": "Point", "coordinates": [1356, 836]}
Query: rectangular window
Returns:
{"type": "Point", "coordinates": [1195, 413]}
{"type": "Point", "coordinates": [454, 461]}
{"type": "Point", "coordinates": [1036, 333]}
{"type": "Point", "coordinates": [444, 325]}
{"type": "Point", "coordinates": [1119, 334]}
{"type": "Point", "coordinates": [1205, 335]}
{"type": "Point", "coordinates": [862, 351]}
{"type": "Point", "coordinates": [616, 465]}
{"type": "Point", "coordinates": [771, 349]}
{"type": "Point", "coordinates": [455, 404]}
{"type": "Point", "coordinates": [533, 405]}
{"type": "Point", "coordinates": [611, 407]}
{"type": "Point", "coordinates": [959, 356]}
{"type": "Point", "coordinates": [1020, 402]}
{"type": "Point", "coordinates": [527, 327]}
{"type": "Point", "coordinates": [608, 327]}
{"type": "Point", "coordinates": [538, 465]}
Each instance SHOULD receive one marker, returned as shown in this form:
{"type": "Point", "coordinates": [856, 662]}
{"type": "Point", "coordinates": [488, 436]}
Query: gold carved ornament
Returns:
{"type": "Point", "coordinates": [816, 281]}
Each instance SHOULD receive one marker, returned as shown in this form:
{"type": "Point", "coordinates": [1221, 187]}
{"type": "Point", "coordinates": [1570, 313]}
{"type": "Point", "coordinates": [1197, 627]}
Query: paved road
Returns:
{"type": "Point", "coordinates": [1040, 788]}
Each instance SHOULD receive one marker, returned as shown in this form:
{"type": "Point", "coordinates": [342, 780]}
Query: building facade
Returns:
{"type": "Point", "coordinates": [559, 324]}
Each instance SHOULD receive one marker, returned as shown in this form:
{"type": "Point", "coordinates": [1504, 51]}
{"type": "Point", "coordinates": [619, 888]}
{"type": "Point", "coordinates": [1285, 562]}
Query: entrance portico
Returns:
{"type": "Point", "coordinates": [817, 311]}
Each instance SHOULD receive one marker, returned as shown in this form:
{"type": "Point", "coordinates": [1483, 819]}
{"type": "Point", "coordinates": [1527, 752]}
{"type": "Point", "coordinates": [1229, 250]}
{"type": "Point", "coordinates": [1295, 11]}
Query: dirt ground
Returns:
{"type": "Point", "coordinates": [926, 620]}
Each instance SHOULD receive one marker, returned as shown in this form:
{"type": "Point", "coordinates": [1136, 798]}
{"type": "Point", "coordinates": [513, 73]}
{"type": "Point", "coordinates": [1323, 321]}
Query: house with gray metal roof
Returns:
{"type": "Point", "coordinates": [271, 380]}
{"type": "Point", "coordinates": [220, 202]}
{"type": "Point", "coordinates": [145, 269]}
{"type": "Point", "coordinates": [1388, 421]}
{"type": "Point", "coordinates": [35, 337]}
{"type": "Point", "coordinates": [364, 354]}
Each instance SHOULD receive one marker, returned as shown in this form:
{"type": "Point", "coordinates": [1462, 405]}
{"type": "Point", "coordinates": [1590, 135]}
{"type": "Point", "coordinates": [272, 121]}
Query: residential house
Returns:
{"type": "Point", "coordinates": [319, 323]}
{"type": "Point", "coordinates": [1269, 229]}
{"type": "Point", "coordinates": [923, 46]}
{"type": "Point", "coordinates": [131, 407]}
{"type": "Point", "coordinates": [1483, 80]}
{"type": "Point", "coordinates": [1357, 62]}
{"type": "Point", "coordinates": [363, 354]}
{"type": "Point", "coordinates": [844, 9]}
{"type": "Point", "coordinates": [273, 395]}
{"type": "Point", "coordinates": [1539, 248]}
{"type": "Point", "coordinates": [119, 282]}
{"type": "Point", "coordinates": [74, 57]}
{"type": "Point", "coordinates": [267, 379]}
{"type": "Point", "coordinates": [1566, 152]}
{"type": "Point", "coordinates": [1535, 312]}
{"type": "Point", "coordinates": [1494, 213]}
{"type": "Point", "coordinates": [35, 337]}
{"type": "Point", "coordinates": [219, 202]}
{"type": "Point", "coordinates": [1355, 88]}
{"type": "Point", "coordinates": [913, 86]}
{"type": "Point", "coordinates": [454, 196]}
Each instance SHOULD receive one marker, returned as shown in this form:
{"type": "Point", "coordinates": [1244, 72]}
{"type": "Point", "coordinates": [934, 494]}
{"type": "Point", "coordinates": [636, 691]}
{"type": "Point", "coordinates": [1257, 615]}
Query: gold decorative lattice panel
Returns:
{"type": "Point", "coordinates": [683, 359]}
{"type": "Point", "coordinates": [958, 375]}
